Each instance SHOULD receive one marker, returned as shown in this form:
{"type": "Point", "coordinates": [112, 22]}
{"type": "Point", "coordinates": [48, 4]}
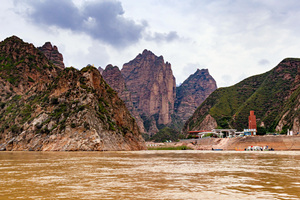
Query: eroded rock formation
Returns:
{"type": "Point", "coordinates": [52, 53]}
{"type": "Point", "coordinates": [147, 86]}
{"type": "Point", "coordinates": [59, 110]}
{"type": "Point", "coordinates": [112, 75]}
{"type": "Point", "coordinates": [192, 92]}
{"type": "Point", "coordinates": [152, 85]}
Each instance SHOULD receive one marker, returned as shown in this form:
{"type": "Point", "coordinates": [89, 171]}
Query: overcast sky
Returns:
{"type": "Point", "coordinates": [233, 39]}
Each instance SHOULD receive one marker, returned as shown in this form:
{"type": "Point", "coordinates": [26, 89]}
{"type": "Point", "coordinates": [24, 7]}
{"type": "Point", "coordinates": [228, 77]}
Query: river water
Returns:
{"type": "Point", "coordinates": [150, 175]}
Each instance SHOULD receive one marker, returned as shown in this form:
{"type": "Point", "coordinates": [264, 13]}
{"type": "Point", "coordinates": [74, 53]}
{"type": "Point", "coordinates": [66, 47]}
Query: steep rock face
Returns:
{"type": "Point", "coordinates": [146, 84]}
{"type": "Point", "coordinates": [274, 96]}
{"type": "Point", "coordinates": [112, 75]}
{"type": "Point", "coordinates": [152, 86]}
{"type": "Point", "coordinates": [192, 92]}
{"type": "Point", "coordinates": [100, 70]}
{"type": "Point", "coordinates": [59, 110]}
{"type": "Point", "coordinates": [52, 53]}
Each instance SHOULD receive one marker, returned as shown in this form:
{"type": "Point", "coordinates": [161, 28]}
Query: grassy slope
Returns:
{"type": "Point", "coordinates": [266, 94]}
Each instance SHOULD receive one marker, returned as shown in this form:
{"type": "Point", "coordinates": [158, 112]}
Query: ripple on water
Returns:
{"type": "Point", "coordinates": [150, 175]}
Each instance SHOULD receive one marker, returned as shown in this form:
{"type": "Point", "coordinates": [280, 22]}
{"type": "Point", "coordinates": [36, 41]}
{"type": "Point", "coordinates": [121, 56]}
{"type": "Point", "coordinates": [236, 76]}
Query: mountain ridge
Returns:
{"type": "Point", "coordinates": [267, 94]}
{"type": "Point", "coordinates": [59, 109]}
{"type": "Point", "coordinates": [151, 92]}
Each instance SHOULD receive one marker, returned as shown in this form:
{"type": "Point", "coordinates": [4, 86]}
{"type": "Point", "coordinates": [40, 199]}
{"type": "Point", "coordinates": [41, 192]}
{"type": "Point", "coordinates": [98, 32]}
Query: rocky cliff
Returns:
{"type": "Point", "coordinates": [52, 53]}
{"type": "Point", "coordinates": [274, 96]}
{"type": "Point", "coordinates": [152, 86]}
{"type": "Point", "coordinates": [112, 75]}
{"type": "Point", "coordinates": [147, 86]}
{"type": "Point", "coordinates": [22, 66]}
{"type": "Point", "coordinates": [192, 92]}
{"type": "Point", "coordinates": [45, 108]}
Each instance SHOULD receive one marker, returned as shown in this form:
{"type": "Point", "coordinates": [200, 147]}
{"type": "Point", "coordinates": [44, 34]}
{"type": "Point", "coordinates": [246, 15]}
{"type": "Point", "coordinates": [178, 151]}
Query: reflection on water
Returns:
{"type": "Point", "coordinates": [150, 175]}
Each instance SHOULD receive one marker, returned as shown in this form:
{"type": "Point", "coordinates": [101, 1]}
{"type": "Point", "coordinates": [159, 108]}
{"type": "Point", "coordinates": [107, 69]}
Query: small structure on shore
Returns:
{"type": "Point", "coordinates": [252, 123]}
{"type": "Point", "coordinates": [228, 133]}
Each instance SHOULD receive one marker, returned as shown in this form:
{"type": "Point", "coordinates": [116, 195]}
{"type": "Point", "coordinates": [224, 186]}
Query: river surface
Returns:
{"type": "Point", "coordinates": [150, 175]}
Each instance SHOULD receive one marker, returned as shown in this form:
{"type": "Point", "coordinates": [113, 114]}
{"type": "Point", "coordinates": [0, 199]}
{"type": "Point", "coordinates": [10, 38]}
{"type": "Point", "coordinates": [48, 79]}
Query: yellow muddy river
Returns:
{"type": "Point", "coordinates": [150, 175]}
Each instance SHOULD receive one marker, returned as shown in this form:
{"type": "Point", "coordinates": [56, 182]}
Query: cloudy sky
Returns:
{"type": "Point", "coordinates": [233, 39]}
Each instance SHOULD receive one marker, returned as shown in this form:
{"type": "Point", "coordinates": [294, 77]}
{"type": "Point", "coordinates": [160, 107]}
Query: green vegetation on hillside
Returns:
{"type": "Point", "coordinates": [17, 58]}
{"type": "Point", "coordinates": [267, 94]}
{"type": "Point", "coordinates": [167, 134]}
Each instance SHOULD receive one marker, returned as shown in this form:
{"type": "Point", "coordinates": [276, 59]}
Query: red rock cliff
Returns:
{"type": "Point", "coordinates": [152, 85]}
{"type": "Point", "coordinates": [112, 75]}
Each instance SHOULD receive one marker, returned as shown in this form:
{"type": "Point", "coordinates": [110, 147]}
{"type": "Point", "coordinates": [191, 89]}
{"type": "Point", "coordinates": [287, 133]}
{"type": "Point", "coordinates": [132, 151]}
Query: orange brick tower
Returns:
{"type": "Point", "coordinates": [252, 121]}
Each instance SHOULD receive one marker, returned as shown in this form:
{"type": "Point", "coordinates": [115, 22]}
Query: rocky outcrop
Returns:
{"type": "Point", "coordinates": [274, 96]}
{"type": "Point", "coordinates": [52, 53]}
{"type": "Point", "coordinates": [152, 85]}
{"type": "Point", "coordinates": [60, 110]}
{"type": "Point", "coordinates": [147, 86]}
{"type": "Point", "coordinates": [23, 67]}
{"type": "Point", "coordinates": [192, 92]}
{"type": "Point", "coordinates": [112, 75]}
{"type": "Point", "coordinates": [100, 69]}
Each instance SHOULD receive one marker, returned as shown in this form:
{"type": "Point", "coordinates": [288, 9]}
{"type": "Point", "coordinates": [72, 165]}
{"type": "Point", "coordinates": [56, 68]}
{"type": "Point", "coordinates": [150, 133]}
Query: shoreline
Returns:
{"type": "Point", "coordinates": [278, 143]}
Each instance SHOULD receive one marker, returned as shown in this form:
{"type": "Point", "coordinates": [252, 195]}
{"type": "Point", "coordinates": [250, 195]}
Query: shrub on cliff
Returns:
{"type": "Point", "coordinates": [167, 134]}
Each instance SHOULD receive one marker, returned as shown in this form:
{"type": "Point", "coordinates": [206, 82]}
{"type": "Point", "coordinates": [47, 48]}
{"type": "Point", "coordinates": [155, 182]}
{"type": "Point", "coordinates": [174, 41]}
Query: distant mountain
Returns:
{"type": "Point", "coordinates": [192, 92]}
{"type": "Point", "coordinates": [44, 107]}
{"type": "Point", "coordinates": [147, 86]}
{"type": "Point", "coordinates": [274, 96]}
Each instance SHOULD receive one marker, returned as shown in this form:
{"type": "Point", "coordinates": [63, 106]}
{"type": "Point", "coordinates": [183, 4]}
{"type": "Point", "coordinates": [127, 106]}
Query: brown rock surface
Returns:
{"type": "Point", "coordinates": [59, 110]}
{"type": "Point", "coordinates": [52, 53]}
{"type": "Point", "coordinates": [100, 69]}
{"type": "Point", "coordinates": [112, 75]}
{"type": "Point", "coordinates": [152, 86]}
{"type": "Point", "coordinates": [26, 68]}
{"type": "Point", "coordinates": [147, 86]}
{"type": "Point", "coordinates": [192, 92]}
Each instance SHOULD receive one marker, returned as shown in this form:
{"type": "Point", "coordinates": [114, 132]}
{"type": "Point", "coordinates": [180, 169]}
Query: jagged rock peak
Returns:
{"type": "Point", "coordinates": [148, 56]}
{"type": "Point", "coordinates": [147, 52]}
{"type": "Point", "coordinates": [202, 71]}
{"type": "Point", "coordinates": [23, 64]}
{"type": "Point", "coordinates": [112, 75]}
{"type": "Point", "coordinates": [192, 92]}
{"type": "Point", "coordinates": [110, 66]}
{"type": "Point", "coordinates": [100, 69]}
{"type": "Point", "coordinates": [13, 38]}
{"type": "Point", "coordinates": [52, 53]}
{"type": "Point", "coordinates": [152, 86]}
